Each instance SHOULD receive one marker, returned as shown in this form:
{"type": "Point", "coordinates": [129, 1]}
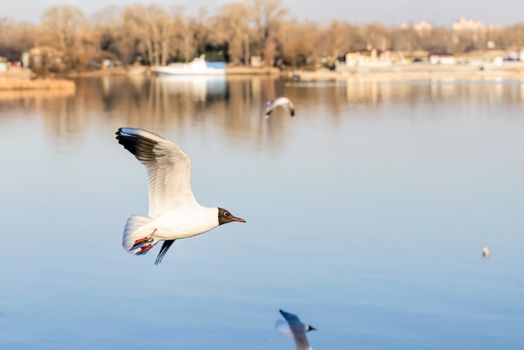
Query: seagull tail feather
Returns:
{"type": "Point", "coordinates": [138, 235]}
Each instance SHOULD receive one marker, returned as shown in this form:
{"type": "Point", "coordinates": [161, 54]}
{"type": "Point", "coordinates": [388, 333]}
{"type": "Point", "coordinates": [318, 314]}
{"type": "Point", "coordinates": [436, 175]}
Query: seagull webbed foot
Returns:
{"type": "Point", "coordinates": [144, 249]}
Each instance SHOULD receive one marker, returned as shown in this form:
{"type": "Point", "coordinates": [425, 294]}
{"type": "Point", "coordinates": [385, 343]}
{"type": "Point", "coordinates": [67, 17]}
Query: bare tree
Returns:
{"type": "Point", "coordinates": [510, 37]}
{"type": "Point", "coordinates": [258, 27]}
{"type": "Point", "coordinates": [200, 32]}
{"type": "Point", "coordinates": [7, 31]}
{"type": "Point", "coordinates": [378, 37]}
{"type": "Point", "coordinates": [185, 42]}
{"type": "Point", "coordinates": [153, 28]}
{"type": "Point", "coordinates": [268, 16]}
{"type": "Point", "coordinates": [110, 35]}
{"type": "Point", "coordinates": [63, 26]}
{"type": "Point", "coordinates": [301, 43]}
{"type": "Point", "coordinates": [232, 25]}
{"type": "Point", "coordinates": [341, 37]}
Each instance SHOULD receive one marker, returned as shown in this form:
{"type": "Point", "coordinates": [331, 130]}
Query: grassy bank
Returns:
{"type": "Point", "coordinates": [36, 84]}
{"type": "Point", "coordinates": [243, 70]}
{"type": "Point", "coordinates": [13, 95]}
{"type": "Point", "coordinates": [21, 79]}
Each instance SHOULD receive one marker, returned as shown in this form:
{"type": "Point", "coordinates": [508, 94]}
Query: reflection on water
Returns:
{"type": "Point", "coordinates": [377, 92]}
{"type": "Point", "coordinates": [235, 105]}
{"type": "Point", "coordinates": [367, 213]}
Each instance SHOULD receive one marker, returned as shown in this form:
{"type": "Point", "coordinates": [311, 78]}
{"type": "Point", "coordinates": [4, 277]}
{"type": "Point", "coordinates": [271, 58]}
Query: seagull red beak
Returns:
{"type": "Point", "coordinates": [234, 218]}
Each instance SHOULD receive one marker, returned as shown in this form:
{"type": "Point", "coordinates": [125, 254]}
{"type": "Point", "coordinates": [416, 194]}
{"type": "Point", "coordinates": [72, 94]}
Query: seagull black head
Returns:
{"type": "Point", "coordinates": [224, 217]}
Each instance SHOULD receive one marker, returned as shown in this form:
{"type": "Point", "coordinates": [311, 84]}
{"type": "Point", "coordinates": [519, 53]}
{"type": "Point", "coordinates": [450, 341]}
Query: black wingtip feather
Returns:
{"type": "Point", "coordinates": [140, 146]}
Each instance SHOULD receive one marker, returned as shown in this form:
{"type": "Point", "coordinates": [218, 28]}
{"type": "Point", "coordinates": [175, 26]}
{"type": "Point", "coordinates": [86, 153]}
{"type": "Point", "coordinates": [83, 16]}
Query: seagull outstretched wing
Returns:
{"type": "Point", "coordinates": [298, 329]}
{"type": "Point", "coordinates": [168, 169]}
{"type": "Point", "coordinates": [283, 102]}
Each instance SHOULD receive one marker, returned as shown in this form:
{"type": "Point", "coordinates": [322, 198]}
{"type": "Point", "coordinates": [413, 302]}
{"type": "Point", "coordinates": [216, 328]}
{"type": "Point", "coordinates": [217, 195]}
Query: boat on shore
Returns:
{"type": "Point", "coordinates": [199, 66]}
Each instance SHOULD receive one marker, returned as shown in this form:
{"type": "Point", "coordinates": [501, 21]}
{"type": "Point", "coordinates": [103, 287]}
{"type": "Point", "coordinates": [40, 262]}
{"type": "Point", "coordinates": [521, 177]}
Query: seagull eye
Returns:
{"type": "Point", "coordinates": [227, 213]}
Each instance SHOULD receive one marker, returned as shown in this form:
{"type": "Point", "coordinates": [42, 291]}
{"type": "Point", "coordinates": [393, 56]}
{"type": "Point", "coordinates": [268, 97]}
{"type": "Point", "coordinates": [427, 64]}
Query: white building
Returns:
{"type": "Point", "coordinates": [422, 27]}
{"type": "Point", "coordinates": [367, 59]}
{"type": "Point", "coordinates": [468, 25]}
{"type": "Point", "coordinates": [442, 59]}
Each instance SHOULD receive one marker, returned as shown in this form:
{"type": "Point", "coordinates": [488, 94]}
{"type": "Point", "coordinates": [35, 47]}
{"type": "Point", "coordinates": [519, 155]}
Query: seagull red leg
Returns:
{"type": "Point", "coordinates": [142, 241]}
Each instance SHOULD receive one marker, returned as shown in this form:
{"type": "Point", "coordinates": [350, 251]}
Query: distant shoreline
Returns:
{"type": "Point", "coordinates": [416, 71]}
{"type": "Point", "coordinates": [145, 70]}
{"type": "Point", "coordinates": [410, 71]}
{"type": "Point", "coordinates": [394, 72]}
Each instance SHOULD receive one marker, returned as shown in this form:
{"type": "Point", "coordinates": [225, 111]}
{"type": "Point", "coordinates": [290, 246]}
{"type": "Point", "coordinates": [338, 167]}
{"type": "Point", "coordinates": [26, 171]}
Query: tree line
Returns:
{"type": "Point", "coordinates": [155, 35]}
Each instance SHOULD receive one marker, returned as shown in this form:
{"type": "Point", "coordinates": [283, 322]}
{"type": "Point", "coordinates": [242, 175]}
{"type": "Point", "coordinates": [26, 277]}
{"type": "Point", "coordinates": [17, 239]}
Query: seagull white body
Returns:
{"type": "Point", "coordinates": [184, 222]}
{"type": "Point", "coordinates": [283, 102]}
{"type": "Point", "coordinates": [174, 212]}
{"type": "Point", "coordinates": [298, 329]}
{"type": "Point", "coordinates": [485, 252]}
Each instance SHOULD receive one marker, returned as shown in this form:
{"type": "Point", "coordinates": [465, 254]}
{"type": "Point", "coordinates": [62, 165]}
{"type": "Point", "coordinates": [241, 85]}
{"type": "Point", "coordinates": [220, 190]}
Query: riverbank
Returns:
{"type": "Point", "coordinates": [102, 72]}
{"type": "Point", "coordinates": [244, 70]}
{"type": "Point", "coordinates": [416, 71]}
{"type": "Point", "coordinates": [22, 79]}
{"type": "Point", "coordinates": [144, 70]}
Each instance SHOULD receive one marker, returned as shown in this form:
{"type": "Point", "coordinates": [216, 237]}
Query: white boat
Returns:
{"type": "Point", "coordinates": [199, 66]}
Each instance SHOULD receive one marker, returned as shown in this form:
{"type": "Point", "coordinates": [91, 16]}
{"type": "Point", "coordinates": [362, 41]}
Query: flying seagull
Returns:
{"type": "Point", "coordinates": [298, 329]}
{"type": "Point", "coordinates": [283, 102]}
{"type": "Point", "coordinates": [485, 252]}
{"type": "Point", "coordinates": [174, 212]}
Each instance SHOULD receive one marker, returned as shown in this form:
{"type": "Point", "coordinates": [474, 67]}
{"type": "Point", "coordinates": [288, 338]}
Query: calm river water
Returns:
{"type": "Point", "coordinates": [367, 214]}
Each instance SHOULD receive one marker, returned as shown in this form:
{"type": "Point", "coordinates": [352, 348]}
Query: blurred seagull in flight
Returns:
{"type": "Point", "coordinates": [485, 252]}
{"type": "Point", "coordinates": [298, 329]}
{"type": "Point", "coordinates": [174, 212]}
{"type": "Point", "coordinates": [283, 102]}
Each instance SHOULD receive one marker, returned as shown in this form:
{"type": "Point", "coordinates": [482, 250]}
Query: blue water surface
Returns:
{"type": "Point", "coordinates": [366, 216]}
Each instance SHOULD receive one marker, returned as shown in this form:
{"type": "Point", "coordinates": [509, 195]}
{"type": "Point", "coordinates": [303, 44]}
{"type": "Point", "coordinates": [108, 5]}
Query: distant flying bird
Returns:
{"type": "Point", "coordinates": [283, 102]}
{"type": "Point", "coordinates": [174, 212]}
{"type": "Point", "coordinates": [298, 329]}
{"type": "Point", "coordinates": [485, 252]}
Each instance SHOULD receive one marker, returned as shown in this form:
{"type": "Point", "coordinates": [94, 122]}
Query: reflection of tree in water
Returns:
{"type": "Point", "coordinates": [58, 107]}
{"type": "Point", "coordinates": [234, 107]}
{"type": "Point", "coordinates": [377, 92]}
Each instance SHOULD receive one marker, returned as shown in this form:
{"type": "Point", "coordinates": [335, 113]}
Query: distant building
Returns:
{"type": "Point", "coordinates": [422, 27]}
{"type": "Point", "coordinates": [498, 61]}
{"type": "Point", "coordinates": [255, 61]}
{"type": "Point", "coordinates": [514, 56]}
{"type": "Point", "coordinates": [368, 58]}
{"type": "Point", "coordinates": [442, 58]}
{"type": "Point", "coordinates": [468, 25]}
{"type": "Point", "coordinates": [25, 59]}
{"type": "Point", "coordinates": [4, 64]}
